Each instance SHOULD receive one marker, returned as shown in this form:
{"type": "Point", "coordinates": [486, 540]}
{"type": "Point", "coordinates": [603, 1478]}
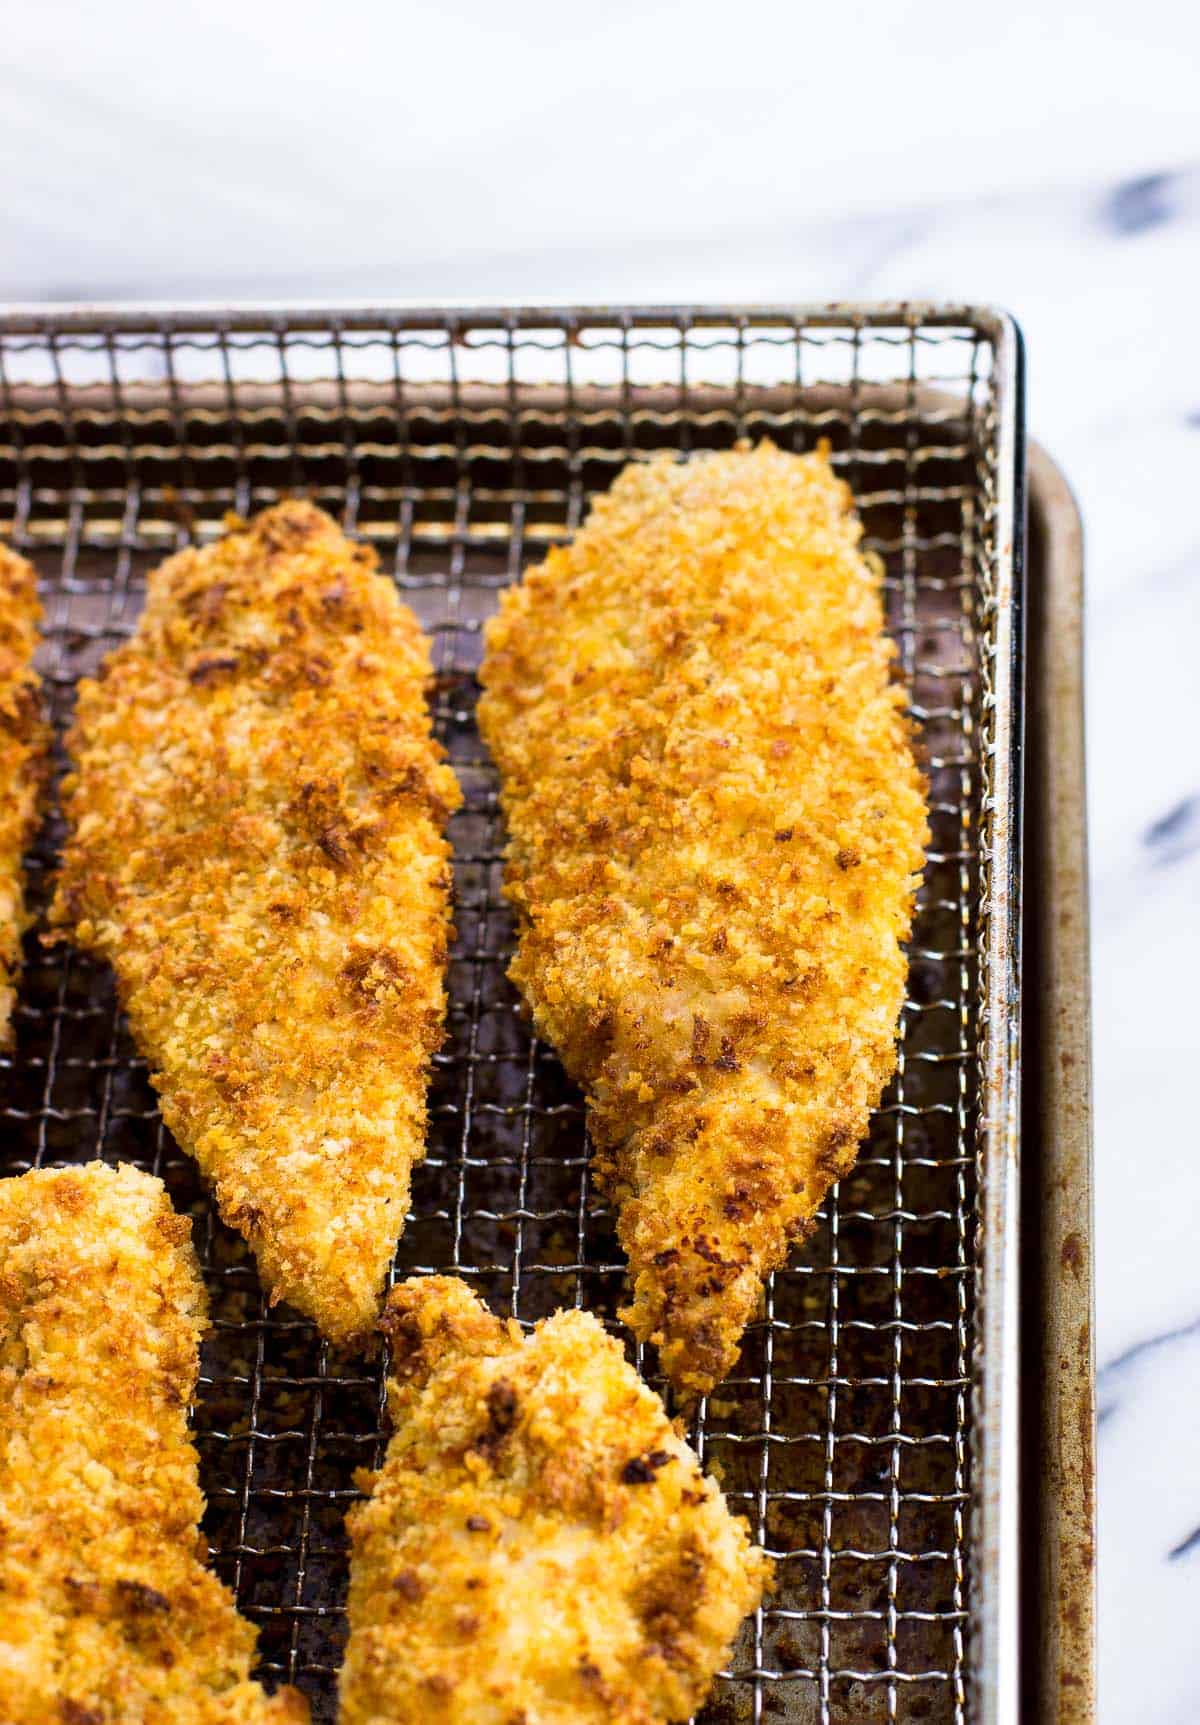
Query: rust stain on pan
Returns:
{"type": "Point", "coordinates": [1064, 1464]}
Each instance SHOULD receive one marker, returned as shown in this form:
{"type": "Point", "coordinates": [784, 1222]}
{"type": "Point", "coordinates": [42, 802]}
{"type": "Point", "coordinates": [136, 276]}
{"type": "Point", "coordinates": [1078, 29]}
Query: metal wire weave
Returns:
{"type": "Point", "coordinates": [462, 447]}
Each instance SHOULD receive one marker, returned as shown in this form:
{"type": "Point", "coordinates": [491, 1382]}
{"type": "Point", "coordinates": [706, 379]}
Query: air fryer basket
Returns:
{"type": "Point", "coordinates": [867, 1433]}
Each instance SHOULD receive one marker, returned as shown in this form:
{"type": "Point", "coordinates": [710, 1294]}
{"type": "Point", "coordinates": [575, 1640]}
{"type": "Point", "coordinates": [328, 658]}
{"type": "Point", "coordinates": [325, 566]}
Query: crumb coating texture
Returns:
{"type": "Point", "coordinates": [108, 1615]}
{"type": "Point", "coordinates": [24, 742]}
{"type": "Point", "coordinates": [540, 1544]}
{"type": "Point", "coordinates": [257, 819]}
{"type": "Point", "coordinates": [716, 833]}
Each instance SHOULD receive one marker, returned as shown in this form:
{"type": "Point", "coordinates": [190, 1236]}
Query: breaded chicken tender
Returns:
{"type": "Point", "coordinates": [540, 1544]}
{"type": "Point", "coordinates": [108, 1615]}
{"type": "Point", "coordinates": [257, 845]}
{"type": "Point", "coordinates": [23, 752]}
{"type": "Point", "coordinates": [716, 832]}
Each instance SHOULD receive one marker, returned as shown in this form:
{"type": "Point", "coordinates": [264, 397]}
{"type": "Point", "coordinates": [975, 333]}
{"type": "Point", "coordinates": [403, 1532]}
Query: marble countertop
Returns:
{"type": "Point", "coordinates": [1047, 159]}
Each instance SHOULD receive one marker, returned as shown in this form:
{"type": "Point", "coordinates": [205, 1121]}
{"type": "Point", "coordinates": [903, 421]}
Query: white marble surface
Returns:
{"type": "Point", "coordinates": [1047, 158]}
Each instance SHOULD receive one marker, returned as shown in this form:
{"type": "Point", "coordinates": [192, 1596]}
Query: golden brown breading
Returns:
{"type": "Point", "coordinates": [541, 1544]}
{"type": "Point", "coordinates": [23, 746]}
{"type": "Point", "coordinates": [107, 1613]}
{"type": "Point", "coordinates": [716, 830]}
{"type": "Point", "coordinates": [258, 815]}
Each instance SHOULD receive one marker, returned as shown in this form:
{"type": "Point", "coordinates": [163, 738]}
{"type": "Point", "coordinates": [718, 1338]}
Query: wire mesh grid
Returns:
{"type": "Point", "coordinates": [463, 447]}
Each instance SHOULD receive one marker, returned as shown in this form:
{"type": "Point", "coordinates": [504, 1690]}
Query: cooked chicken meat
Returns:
{"type": "Point", "coordinates": [540, 1544]}
{"type": "Point", "coordinates": [257, 844]}
{"type": "Point", "coordinates": [716, 831]}
{"type": "Point", "coordinates": [23, 745]}
{"type": "Point", "coordinates": [108, 1615]}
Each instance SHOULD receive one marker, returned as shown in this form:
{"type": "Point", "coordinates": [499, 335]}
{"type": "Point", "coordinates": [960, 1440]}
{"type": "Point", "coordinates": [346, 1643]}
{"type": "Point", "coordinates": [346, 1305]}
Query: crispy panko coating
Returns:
{"type": "Point", "coordinates": [23, 754]}
{"type": "Point", "coordinates": [540, 1544]}
{"type": "Point", "coordinates": [258, 814]}
{"type": "Point", "coordinates": [108, 1615]}
{"type": "Point", "coordinates": [716, 832]}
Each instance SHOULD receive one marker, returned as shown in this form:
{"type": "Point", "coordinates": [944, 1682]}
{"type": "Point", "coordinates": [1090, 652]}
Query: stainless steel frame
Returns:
{"type": "Point", "coordinates": [876, 1407]}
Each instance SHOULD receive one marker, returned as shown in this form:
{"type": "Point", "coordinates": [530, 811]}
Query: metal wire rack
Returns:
{"type": "Point", "coordinates": [462, 445]}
